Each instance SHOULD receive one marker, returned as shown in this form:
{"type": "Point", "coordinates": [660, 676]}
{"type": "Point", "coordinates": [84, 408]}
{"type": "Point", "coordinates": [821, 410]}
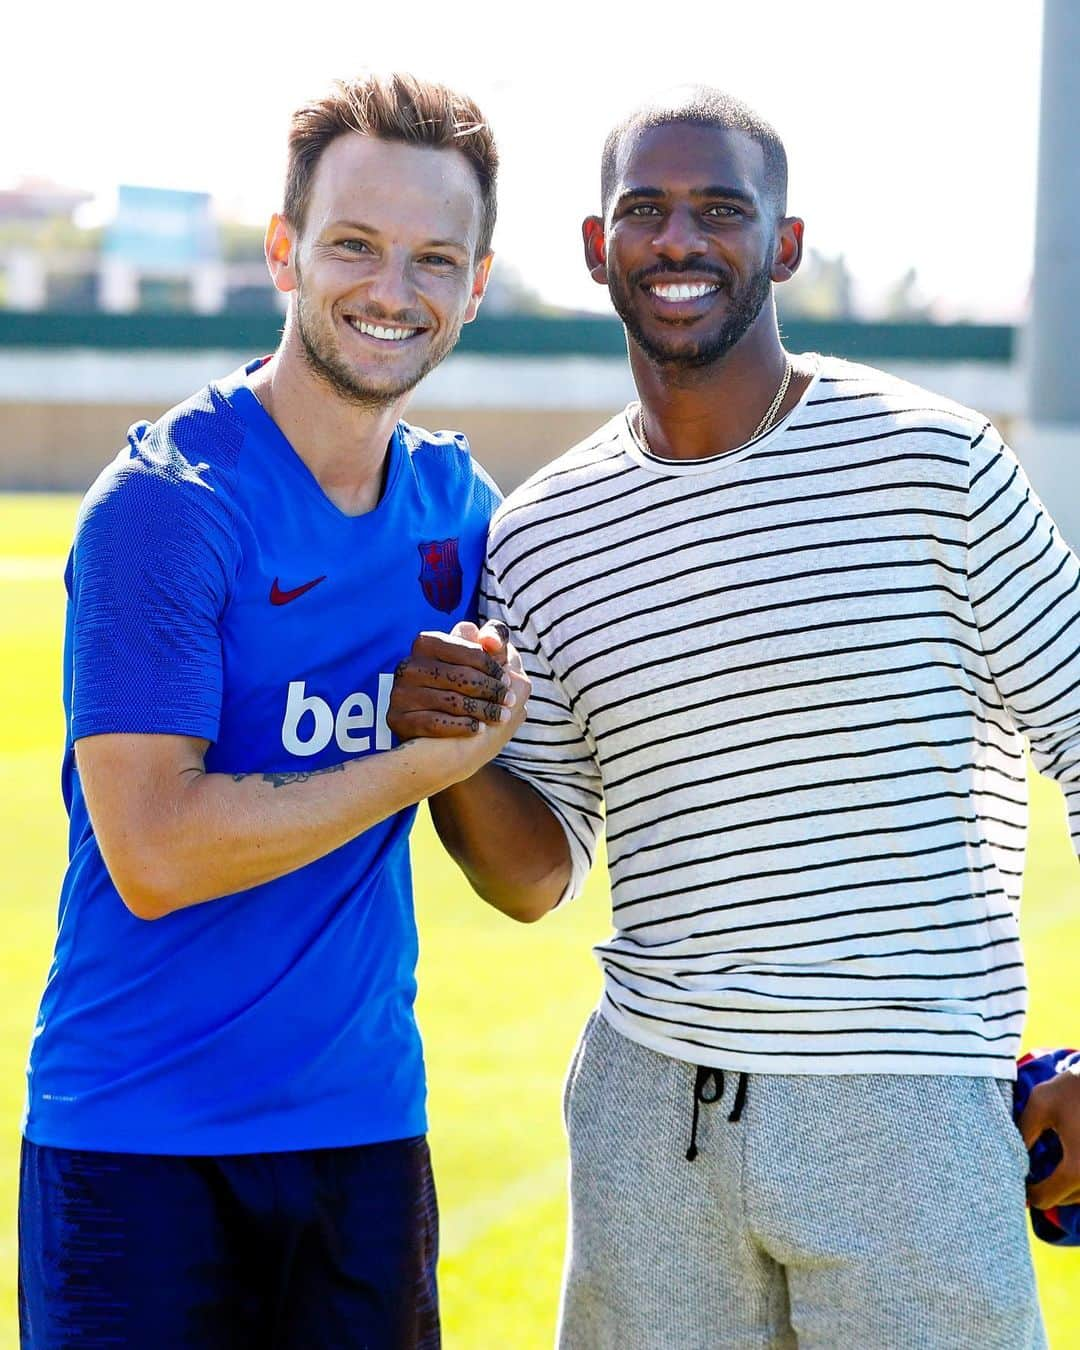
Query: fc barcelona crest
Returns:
{"type": "Point", "coordinates": [440, 574]}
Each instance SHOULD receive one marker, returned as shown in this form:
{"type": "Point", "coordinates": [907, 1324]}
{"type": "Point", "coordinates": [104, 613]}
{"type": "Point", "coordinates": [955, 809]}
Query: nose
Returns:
{"type": "Point", "coordinates": [388, 289]}
{"type": "Point", "coordinates": [679, 236]}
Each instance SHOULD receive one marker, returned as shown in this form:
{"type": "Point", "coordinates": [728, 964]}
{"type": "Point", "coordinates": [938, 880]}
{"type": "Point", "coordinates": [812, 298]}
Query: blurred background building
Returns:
{"type": "Point", "coordinates": [115, 305]}
{"type": "Point", "coordinates": [103, 324]}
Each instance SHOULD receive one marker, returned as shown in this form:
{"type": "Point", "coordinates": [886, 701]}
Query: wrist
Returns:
{"type": "Point", "coordinates": [441, 763]}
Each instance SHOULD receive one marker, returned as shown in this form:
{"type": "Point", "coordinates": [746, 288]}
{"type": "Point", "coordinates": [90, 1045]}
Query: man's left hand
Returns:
{"type": "Point", "coordinates": [1055, 1105]}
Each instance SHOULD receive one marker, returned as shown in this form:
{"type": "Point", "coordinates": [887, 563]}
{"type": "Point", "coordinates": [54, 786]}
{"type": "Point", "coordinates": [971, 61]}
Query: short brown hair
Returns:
{"type": "Point", "coordinates": [395, 107]}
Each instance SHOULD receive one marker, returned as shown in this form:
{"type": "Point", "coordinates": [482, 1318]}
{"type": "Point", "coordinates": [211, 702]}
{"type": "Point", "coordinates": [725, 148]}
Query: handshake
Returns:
{"type": "Point", "coordinates": [465, 683]}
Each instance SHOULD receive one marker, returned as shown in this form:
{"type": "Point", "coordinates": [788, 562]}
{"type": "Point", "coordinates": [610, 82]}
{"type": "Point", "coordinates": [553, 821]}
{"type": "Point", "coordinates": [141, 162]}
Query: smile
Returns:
{"type": "Point", "coordinates": [683, 291]}
{"type": "Point", "coordinates": [382, 332]}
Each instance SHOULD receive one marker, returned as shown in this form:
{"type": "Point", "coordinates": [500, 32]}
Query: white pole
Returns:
{"type": "Point", "coordinates": [1049, 442]}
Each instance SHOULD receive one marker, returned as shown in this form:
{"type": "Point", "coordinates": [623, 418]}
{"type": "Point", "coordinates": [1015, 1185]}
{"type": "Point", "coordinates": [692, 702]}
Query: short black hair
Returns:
{"type": "Point", "coordinates": [702, 106]}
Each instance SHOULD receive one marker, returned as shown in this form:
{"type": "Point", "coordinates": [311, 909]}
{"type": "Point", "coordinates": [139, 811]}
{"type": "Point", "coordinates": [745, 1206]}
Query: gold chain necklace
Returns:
{"type": "Point", "coordinates": [763, 426]}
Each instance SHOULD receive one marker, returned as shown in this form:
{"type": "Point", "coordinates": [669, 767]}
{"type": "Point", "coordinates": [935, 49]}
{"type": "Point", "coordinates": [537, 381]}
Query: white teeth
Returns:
{"type": "Point", "coordinates": [684, 292]}
{"type": "Point", "coordinates": [383, 334]}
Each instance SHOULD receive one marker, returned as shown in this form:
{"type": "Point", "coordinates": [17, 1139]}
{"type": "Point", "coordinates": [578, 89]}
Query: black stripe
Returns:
{"type": "Point", "coordinates": [805, 761]}
{"type": "Point", "coordinates": [875, 977]}
{"type": "Point", "coordinates": [652, 581]}
{"type": "Point", "coordinates": [631, 1013]}
{"type": "Point", "coordinates": [1018, 543]}
{"type": "Point", "coordinates": [637, 593]}
{"type": "Point", "coordinates": [685, 498]}
{"type": "Point", "coordinates": [906, 696]}
{"type": "Point", "coordinates": [998, 492]}
{"type": "Point", "coordinates": [849, 808]}
{"type": "Point", "coordinates": [840, 1030]}
{"type": "Point", "coordinates": [722, 884]}
{"type": "Point", "coordinates": [712, 648]}
{"type": "Point", "coordinates": [670, 864]}
{"type": "Point", "coordinates": [835, 915]}
{"type": "Point", "coordinates": [730, 905]}
{"type": "Point", "coordinates": [986, 426]}
{"type": "Point", "coordinates": [803, 998]}
{"type": "Point", "coordinates": [1043, 581]}
{"type": "Point", "coordinates": [847, 398]}
{"type": "Point", "coordinates": [817, 733]}
{"type": "Point", "coordinates": [813, 1056]}
{"type": "Point", "coordinates": [1028, 658]}
{"type": "Point", "coordinates": [771, 529]}
{"type": "Point", "coordinates": [844, 676]}
{"type": "Point", "coordinates": [882, 412]}
{"type": "Point", "coordinates": [1029, 624]}
{"type": "Point", "coordinates": [532, 504]}
{"type": "Point", "coordinates": [777, 606]}
{"type": "Point", "coordinates": [966, 768]}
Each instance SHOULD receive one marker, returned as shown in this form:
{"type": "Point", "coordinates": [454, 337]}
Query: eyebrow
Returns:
{"type": "Point", "coordinates": [362, 228]}
{"type": "Point", "coordinates": [716, 190]}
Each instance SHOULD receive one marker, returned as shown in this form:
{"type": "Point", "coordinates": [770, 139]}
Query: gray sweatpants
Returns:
{"type": "Point", "coordinates": [857, 1212]}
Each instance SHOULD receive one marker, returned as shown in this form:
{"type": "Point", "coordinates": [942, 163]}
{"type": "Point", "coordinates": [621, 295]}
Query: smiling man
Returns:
{"type": "Point", "coordinates": [786, 619]}
{"type": "Point", "coordinates": [225, 1130]}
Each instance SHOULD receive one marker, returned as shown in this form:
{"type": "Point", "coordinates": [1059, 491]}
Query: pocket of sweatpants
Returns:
{"type": "Point", "coordinates": [1001, 1093]}
{"type": "Point", "coordinates": [575, 1064]}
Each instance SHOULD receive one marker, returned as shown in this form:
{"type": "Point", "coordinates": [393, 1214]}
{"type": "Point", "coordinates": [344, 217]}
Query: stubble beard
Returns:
{"type": "Point", "coordinates": [678, 354]}
{"type": "Point", "coordinates": [323, 358]}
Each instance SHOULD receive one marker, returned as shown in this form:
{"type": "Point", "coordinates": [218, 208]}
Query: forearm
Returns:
{"type": "Point", "coordinates": [506, 840]}
{"type": "Point", "coordinates": [208, 835]}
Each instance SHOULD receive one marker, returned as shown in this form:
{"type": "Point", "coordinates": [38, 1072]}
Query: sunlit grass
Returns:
{"type": "Point", "coordinates": [500, 1004]}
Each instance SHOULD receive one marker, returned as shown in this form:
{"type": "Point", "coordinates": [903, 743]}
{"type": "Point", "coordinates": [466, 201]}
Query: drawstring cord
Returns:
{"type": "Point", "coordinates": [703, 1096]}
{"type": "Point", "coordinates": [701, 1080]}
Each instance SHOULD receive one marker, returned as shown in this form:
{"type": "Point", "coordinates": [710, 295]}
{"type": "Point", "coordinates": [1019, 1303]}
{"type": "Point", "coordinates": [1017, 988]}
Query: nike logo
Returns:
{"type": "Point", "coordinates": [280, 597]}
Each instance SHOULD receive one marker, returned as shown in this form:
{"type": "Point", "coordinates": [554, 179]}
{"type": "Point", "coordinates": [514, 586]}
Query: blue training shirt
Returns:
{"type": "Point", "coordinates": [216, 592]}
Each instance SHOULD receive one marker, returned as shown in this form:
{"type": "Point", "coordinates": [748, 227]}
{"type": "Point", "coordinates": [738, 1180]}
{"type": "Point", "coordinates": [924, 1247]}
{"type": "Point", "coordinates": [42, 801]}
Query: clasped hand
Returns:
{"type": "Point", "coordinates": [466, 682]}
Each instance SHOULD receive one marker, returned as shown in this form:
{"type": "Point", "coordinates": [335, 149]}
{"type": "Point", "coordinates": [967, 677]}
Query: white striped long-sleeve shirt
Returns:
{"type": "Point", "coordinates": [794, 677]}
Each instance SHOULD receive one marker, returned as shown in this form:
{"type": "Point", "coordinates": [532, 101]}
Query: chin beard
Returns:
{"type": "Point", "coordinates": [682, 354]}
{"type": "Point", "coordinates": [326, 363]}
{"type": "Point", "coordinates": [327, 367]}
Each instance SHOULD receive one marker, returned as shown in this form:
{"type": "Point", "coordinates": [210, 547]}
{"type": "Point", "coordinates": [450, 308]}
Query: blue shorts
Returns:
{"type": "Point", "coordinates": [328, 1247]}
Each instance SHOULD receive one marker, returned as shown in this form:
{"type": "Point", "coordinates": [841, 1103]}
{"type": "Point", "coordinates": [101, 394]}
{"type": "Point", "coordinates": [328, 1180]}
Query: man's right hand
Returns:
{"type": "Point", "coordinates": [466, 682]}
{"type": "Point", "coordinates": [467, 688]}
{"type": "Point", "coordinates": [174, 835]}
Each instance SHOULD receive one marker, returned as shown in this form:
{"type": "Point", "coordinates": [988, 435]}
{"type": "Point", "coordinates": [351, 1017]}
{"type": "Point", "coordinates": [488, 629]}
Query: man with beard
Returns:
{"type": "Point", "coordinates": [785, 620]}
{"type": "Point", "coordinates": [225, 1130]}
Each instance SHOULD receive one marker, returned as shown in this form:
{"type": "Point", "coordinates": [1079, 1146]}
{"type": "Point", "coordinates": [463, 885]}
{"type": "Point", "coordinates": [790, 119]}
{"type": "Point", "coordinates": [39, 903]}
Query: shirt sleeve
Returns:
{"type": "Point", "coordinates": [551, 752]}
{"type": "Point", "coordinates": [1024, 585]}
{"type": "Point", "coordinates": [148, 585]}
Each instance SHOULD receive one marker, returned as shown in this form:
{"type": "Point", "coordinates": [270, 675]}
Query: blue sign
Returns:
{"type": "Point", "coordinates": [162, 227]}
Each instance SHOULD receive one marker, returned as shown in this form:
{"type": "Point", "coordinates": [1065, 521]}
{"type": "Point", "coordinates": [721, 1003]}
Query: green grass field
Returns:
{"type": "Point", "coordinates": [500, 1004]}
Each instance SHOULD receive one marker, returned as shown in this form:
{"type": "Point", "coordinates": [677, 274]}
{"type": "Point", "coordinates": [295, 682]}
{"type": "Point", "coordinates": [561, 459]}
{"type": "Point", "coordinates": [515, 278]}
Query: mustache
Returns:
{"type": "Point", "coordinates": [672, 269]}
{"type": "Point", "coordinates": [402, 318]}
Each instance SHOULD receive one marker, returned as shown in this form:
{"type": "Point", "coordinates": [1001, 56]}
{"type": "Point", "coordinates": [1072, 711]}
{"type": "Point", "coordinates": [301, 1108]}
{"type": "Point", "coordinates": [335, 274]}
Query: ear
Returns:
{"type": "Point", "coordinates": [592, 235]}
{"type": "Point", "coordinates": [789, 249]}
{"type": "Point", "coordinates": [280, 249]}
{"type": "Point", "coordinates": [479, 285]}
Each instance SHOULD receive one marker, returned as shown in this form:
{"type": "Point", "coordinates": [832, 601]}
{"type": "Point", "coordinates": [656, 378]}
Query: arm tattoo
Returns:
{"type": "Point", "coordinates": [299, 776]}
